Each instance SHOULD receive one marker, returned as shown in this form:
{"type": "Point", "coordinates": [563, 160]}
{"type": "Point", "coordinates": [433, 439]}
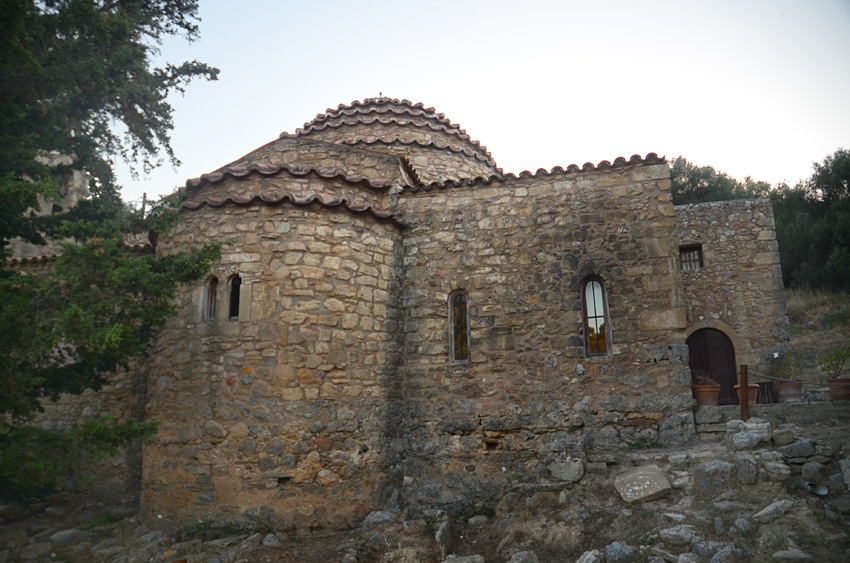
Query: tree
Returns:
{"type": "Point", "coordinates": [77, 78]}
{"type": "Point", "coordinates": [70, 68]}
{"type": "Point", "coordinates": [696, 184]}
{"type": "Point", "coordinates": [813, 226]}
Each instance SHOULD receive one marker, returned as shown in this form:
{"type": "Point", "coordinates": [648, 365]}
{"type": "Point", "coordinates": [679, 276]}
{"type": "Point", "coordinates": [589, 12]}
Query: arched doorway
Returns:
{"type": "Point", "coordinates": [713, 355]}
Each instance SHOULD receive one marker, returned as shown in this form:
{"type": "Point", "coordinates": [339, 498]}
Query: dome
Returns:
{"type": "Point", "coordinates": [436, 149]}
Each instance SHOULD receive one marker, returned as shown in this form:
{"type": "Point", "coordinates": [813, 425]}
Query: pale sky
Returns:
{"type": "Point", "coordinates": [752, 88]}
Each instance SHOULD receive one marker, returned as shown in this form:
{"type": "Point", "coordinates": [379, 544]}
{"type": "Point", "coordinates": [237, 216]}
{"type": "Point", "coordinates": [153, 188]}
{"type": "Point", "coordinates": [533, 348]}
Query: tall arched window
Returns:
{"type": "Point", "coordinates": [597, 329]}
{"type": "Point", "coordinates": [459, 326]}
{"type": "Point", "coordinates": [235, 284]}
{"type": "Point", "coordinates": [212, 289]}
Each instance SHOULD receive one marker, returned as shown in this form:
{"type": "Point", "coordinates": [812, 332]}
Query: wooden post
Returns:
{"type": "Point", "coordinates": [745, 394]}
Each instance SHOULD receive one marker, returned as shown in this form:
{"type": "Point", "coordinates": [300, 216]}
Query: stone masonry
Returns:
{"type": "Point", "coordinates": [310, 379]}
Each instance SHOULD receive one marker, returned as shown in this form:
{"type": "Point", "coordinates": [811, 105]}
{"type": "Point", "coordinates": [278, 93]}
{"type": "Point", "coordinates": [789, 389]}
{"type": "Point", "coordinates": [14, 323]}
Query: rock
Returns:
{"type": "Point", "coordinates": [746, 468]}
{"type": "Point", "coordinates": [403, 555]}
{"type": "Point", "coordinates": [728, 554]}
{"type": "Point", "coordinates": [270, 540]}
{"type": "Point", "coordinates": [800, 448]}
{"type": "Point", "coordinates": [812, 471]}
{"type": "Point", "coordinates": [36, 552]}
{"type": "Point", "coordinates": [688, 558]}
{"type": "Point", "coordinates": [783, 436]}
{"type": "Point", "coordinates": [743, 525]}
{"type": "Point", "coordinates": [478, 520]}
{"type": "Point", "coordinates": [67, 537]}
{"type": "Point", "coordinates": [524, 557]}
{"type": "Point", "coordinates": [791, 555]}
{"type": "Point", "coordinates": [708, 415]}
{"type": "Point", "coordinates": [776, 471]}
{"type": "Point", "coordinates": [443, 537]}
{"type": "Point", "coordinates": [706, 549]}
{"type": "Point", "coordinates": [567, 469]}
{"type": "Point", "coordinates": [590, 557]}
{"type": "Point", "coordinates": [464, 559]}
{"type": "Point", "coordinates": [745, 440]}
{"type": "Point", "coordinates": [251, 542]}
{"type": "Point", "coordinates": [642, 484]}
{"type": "Point", "coordinates": [713, 477]}
{"type": "Point", "coordinates": [376, 519]}
{"type": "Point", "coordinates": [620, 552]}
{"type": "Point", "coordinates": [681, 535]}
{"type": "Point", "coordinates": [836, 482]}
{"type": "Point", "coordinates": [774, 511]}
{"type": "Point", "coordinates": [844, 464]}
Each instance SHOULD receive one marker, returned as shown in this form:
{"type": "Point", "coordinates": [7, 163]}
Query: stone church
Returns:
{"type": "Point", "coordinates": [395, 320]}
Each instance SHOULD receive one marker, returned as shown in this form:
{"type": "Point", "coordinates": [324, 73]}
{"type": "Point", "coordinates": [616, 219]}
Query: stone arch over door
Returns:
{"type": "Point", "coordinates": [713, 354]}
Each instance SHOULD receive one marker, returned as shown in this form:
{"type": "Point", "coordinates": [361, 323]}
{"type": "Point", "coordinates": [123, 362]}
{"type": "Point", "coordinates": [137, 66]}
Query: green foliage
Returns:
{"type": "Point", "coordinates": [71, 70]}
{"type": "Point", "coordinates": [813, 227]}
{"type": "Point", "coordinates": [836, 318]}
{"type": "Point", "coordinates": [696, 184]}
{"type": "Point", "coordinates": [36, 463]}
{"type": "Point", "coordinates": [833, 364]}
{"type": "Point", "coordinates": [791, 365]}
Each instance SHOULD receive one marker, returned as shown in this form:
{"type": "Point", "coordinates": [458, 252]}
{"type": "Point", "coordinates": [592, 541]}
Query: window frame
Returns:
{"type": "Point", "coordinates": [605, 316]}
{"type": "Point", "coordinates": [697, 259]}
{"type": "Point", "coordinates": [235, 286]}
{"type": "Point", "coordinates": [211, 301]}
{"type": "Point", "coordinates": [464, 325]}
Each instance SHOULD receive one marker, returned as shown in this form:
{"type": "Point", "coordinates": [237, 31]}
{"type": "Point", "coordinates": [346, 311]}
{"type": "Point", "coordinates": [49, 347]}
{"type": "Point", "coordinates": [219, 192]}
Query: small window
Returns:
{"type": "Point", "coordinates": [235, 285]}
{"type": "Point", "coordinates": [597, 331]}
{"type": "Point", "coordinates": [212, 289]}
{"type": "Point", "coordinates": [459, 323]}
{"type": "Point", "coordinates": [690, 257]}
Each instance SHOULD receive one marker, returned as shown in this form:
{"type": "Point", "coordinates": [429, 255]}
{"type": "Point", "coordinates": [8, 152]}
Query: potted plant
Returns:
{"type": "Point", "coordinates": [790, 388]}
{"type": "Point", "coordinates": [705, 390]}
{"type": "Point", "coordinates": [832, 365]}
{"type": "Point", "coordinates": [752, 393]}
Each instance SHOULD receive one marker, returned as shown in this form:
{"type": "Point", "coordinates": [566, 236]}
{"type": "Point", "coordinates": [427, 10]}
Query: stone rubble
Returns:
{"type": "Point", "coordinates": [730, 508]}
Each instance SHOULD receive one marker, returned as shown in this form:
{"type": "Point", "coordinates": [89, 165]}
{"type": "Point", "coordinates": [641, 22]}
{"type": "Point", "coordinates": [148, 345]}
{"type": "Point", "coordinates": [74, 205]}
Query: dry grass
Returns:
{"type": "Point", "coordinates": [825, 309]}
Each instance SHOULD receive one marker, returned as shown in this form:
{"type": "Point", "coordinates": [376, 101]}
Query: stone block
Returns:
{"type": "Point", "coordinates": [663, 319]}
{"type": "Point", "coordinates": [642, 484]}
{"type": "Point", "coordinates": [713, 477]}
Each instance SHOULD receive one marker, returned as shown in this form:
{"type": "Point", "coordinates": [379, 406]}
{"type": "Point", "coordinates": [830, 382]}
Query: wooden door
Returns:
{"type": "Point", "coordinates": [712, 354]}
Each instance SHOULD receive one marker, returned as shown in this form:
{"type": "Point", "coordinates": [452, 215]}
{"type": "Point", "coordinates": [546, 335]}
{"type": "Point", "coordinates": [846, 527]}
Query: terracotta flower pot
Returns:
{"type": "Point", "coordinates": [839, 389]}
{"type": "Point", "coordinates": [752, 393]}
{"type": "Point", "coordinates": [790, 390]}
{"type": "Point", "coordinates": [706, 395]}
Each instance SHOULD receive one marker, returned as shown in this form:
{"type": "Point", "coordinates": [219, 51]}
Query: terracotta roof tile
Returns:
{"type": "Point", "coordinates": [281, 198]}
{"type": "Point", "coordinates": [296, 169]}
{"type": "Point", "coordinates": [619, 162]}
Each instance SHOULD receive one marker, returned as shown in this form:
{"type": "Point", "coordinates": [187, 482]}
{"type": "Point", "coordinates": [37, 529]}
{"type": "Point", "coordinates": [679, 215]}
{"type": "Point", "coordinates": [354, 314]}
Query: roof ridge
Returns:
{"type": "Point", "coordinates": [366, 121]}
{"type": "Point", "coordinates": [397, 110]}
{"type": "Point", "coordinates": [301, 201]}
{"type": "Point", "coordinates": [619, 162]}
{"type": "Point", "coordinates": [467, 152]}
{"type": "Point", "coordinates": [296, 169]}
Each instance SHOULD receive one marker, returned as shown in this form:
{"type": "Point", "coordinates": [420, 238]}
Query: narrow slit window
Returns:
{"type": "Point", "coordinates": [690, 257]}
{"type": "Point", "coordinates": [459, 318]}
{"type": "Point", "coordinates": [235, 285]}
{"type": "Point", "coordinates": [212, 289]}
{"type": "Point", "coordinates": [596, 327]}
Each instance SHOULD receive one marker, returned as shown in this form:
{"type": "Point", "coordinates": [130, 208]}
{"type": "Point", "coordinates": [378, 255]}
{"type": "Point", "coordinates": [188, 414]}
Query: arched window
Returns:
{"type": "Point", "coordinates": [459, 327]}
{"type": "Point", "coordinates": [212, 288]}
{"type": "Point", "coordinates": [597, 329]}
{"type": "Point", "coordinates": [235, 284]}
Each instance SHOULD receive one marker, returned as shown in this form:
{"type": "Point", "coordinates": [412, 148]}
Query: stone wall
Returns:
{"type": "Point", "coordinates": [439, 165]}
{"type": "Point", "coordinates": [738, 291]}
{"type": "Point", "coordinates": [281, 413]}
{"type": "Point", "coordinates": [530, 405]}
